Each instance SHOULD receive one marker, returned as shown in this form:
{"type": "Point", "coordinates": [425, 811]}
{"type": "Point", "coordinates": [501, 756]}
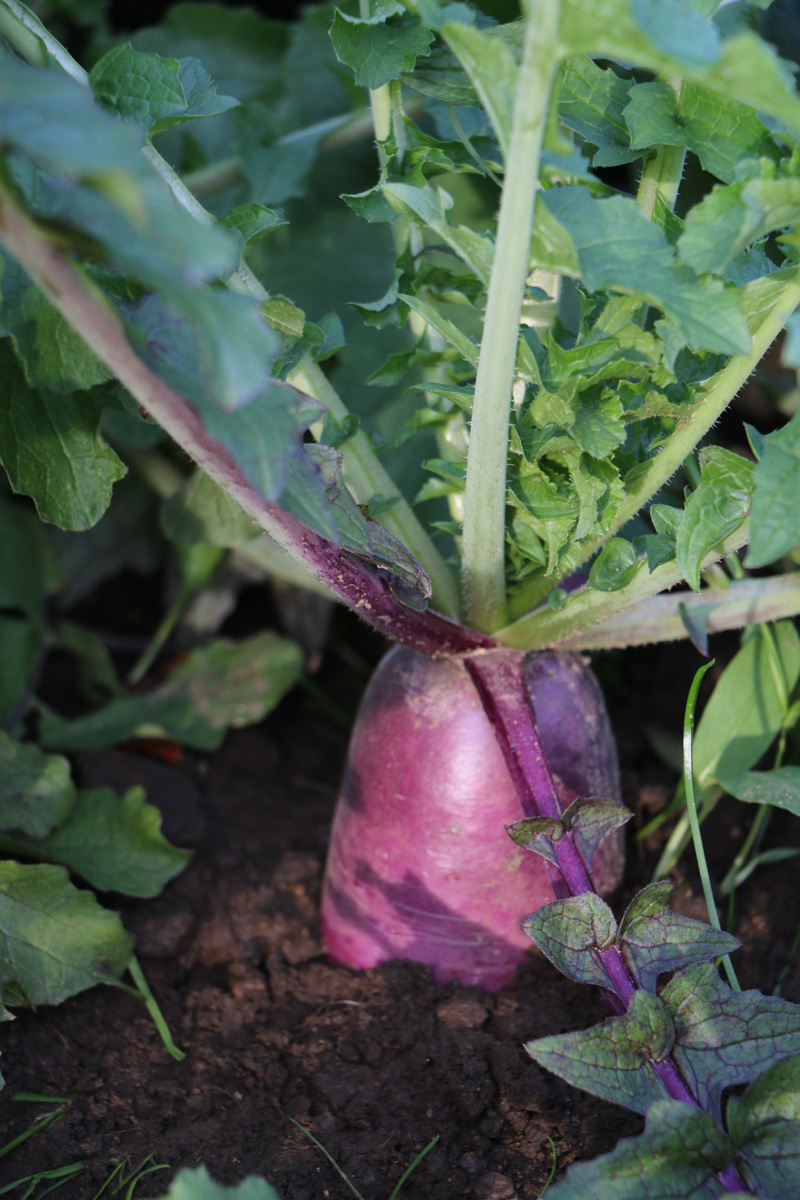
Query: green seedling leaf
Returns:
{"type": "Point", "coordinates": [746, 709]}
{"type": "Point", "coordinates": [592, 820]}
{"type": "Point", "coordinates": [608, 243]}
{"type": "Point", "coordinates": [155, 92]}
{"type": "Point", "coordinates": [716, 508]}
{"type": "Point", "coordinates": [225, 685]}
{"type": "Point", "coordinates": [197, 1184]}
{"type": "Point", "coordinates": [36, 791]}
{"type": "Point", "coordinates": [775, 516]}
{"type": "Point", "coordinates": [654, 939]}
{"type": "Point", "coordinates": [55, 940]}
{"type": "Point", "coordinates": [615, 566]}
{"type": "Point", "coordinates": [722, 1037]}
{"type": "Point", "coordinates": [23, 582]}
{"type": "Point", "coordinates": [591, 101]}
{"type": "Point", "coordinates": [779, 787]}
{"type": "Point", "coordinates": [492, 70]}
{"type": "Point", "coordinates": [679, 1156]}
{"type": "Point", "coordinates": [377, 50]}
{"type": "Point", "coordinates": [764, 1125]}
{"type": "Point", "coordinates": [613, 1060]}
{"type": "Point", "coordinates": [571, 932]}
{"type": "Point", "coordinates": [53, 451]}
{"type": "Point", "coordinates": [115, 843]}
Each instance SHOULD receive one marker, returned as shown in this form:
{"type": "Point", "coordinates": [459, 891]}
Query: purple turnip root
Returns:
{"type": "Point", "coordinates": [420, 866]}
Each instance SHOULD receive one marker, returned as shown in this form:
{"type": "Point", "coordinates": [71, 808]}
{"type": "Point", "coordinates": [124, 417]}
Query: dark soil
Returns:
{"type": "Point", "coordinates": [374, 1064]}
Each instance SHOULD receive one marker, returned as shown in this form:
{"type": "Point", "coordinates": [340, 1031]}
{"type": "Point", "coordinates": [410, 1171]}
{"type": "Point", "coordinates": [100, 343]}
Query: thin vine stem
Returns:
{"type": "Point", "coordinates": [483, 541]}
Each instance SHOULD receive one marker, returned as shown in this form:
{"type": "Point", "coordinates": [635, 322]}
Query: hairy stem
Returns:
{"type": "Point", "coordinates": [483, 542]}
{"type": "Point", "coordinates": [661, 176]}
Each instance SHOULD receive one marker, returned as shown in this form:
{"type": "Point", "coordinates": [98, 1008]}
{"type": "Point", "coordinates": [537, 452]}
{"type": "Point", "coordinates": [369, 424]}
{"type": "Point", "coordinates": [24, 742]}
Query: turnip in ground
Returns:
{"type": "Point", "coordinates": [420, 866]}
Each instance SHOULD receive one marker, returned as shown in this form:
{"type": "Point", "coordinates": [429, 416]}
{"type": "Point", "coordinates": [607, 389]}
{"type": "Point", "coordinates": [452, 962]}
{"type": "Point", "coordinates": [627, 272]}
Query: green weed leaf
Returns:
{"type": "Point", "coordinates": [764, 1124]}
{"type": "Point", "coordinates": [23, 582]}
{"type": "Point", "coordinates": [654, 939]}
{"type": "Point", "coordinates": [615, 566]}
{"type": "Point", "coordinates": [775, 517]}
{"type": "Point", "coordinates": [54, 939]}
{"type": "Point", "coordinates": [779, 787]}
{"type": "Point", "coordinates": [716, 508]}
{"type": "Point", "coordinates": [377, 50]}
{"type": "Point", "coordinates": [678, 1156]}
{"type": "Point", "coordinates": [723, 1037]}
{"type": "Point", "coordinates": [196, 1184]}
{"type": "Point", "coordinates": [613, 1060]}
{"type": "Point", "coordinates": [115, 843]}
{"type": "Point", "coordinates": [492, 70]}
{"type": "Point", "coordinates": [36, 791]}
{"type": "Point", "coordinates": [730, 218]}
{"type": "Point", "coordinates": [570, 932]}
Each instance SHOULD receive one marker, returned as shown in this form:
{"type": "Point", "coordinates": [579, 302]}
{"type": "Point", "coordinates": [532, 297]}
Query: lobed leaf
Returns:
{"type": "Point", "coordinates": [54, 939]}
{"type": "Point", "coordinates": [654, 939]}
{"type": "Point", "coordinates": [378, 51]}
{"type": "Point", "coordinates": [722, 1037]}
{"type": "Point", "coordinates": [613, 1060]}
{"type": "Point", "coordinates": [36, 791]}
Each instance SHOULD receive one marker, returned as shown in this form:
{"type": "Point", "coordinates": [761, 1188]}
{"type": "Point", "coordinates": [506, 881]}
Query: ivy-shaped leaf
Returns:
{"type": "Point", "coordinates": [570, 932]}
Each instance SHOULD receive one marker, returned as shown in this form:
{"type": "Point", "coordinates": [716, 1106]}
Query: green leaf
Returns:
{"type": "Point", "coordinates": [654, 939]}
{"type": "Point", "coordinates": [224, 685]}
{"type": "Point", "coordinates": [492, 70]}
{"type": "Point", "coordinates": [23, 576]}
{"type": "Point", "coordinates": [678, 1157]}
{"type": "Point", "coordinates": [450, 332]}
{"type": "Point", "coordinates": [36, 791]}
{"type": "Point", "coordinates": [598, 427]}
{"type": "Point", "coordinates": [55, 940]}
{"type": "Point", "coordinates": [196, 1184]}
{"type": "Point", "coordinates": [52, 450]}
{"type": "Point", "coordinates": [764, 1124]}
{"type": "Point", "coordinates": [570, 932]}
{"type": "Point", "coordinates": [615, 566]}
{"type": "Point", "coordinates": [430, 206]}
{"type": "Point", "coordinates": [716, 508]}
{"type": "Point", "coordinates": [250, 223]}
{"type": "Point", "coordinates": [609, 243]}
{"type": "Point", "coordinates": [201, 512]}
{"type": "Point", "coordinates": [591, 101]}
{"type": "Point", "coordinates": [746, 709]}
{"type": "Point", "coordinates": [721, 131]}
{"type": "Point", "coordinates": [155, 92]}
{"type": "Point", "coordinates": [115, 843]}
{"type": "Point", "coordinates": [775, 515]}
{"type": "Point", "coordinates": [591, 820]}
{"type": "Point", "coordinates": [613, 1060]}
{"type": "Point", "coordinates": [376, 50]}
{"type": "Point", "coordinates": [722, 1037]}
{"type": "Point", "coordinates": [779, 787]}
{"type": "Point", "coordinates": [730, 218]}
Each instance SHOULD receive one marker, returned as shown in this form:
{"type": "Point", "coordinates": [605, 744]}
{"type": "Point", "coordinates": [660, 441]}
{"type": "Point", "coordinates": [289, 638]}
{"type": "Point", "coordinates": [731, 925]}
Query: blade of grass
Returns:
{"type": "Point", "coordinates": [42, 1123]}
{"type": "Point", "coordinates": [329, 1157]}
{"type": "Point", "coordinates": [152, 1007]}
{"type": "Point", "coordinates": [413, 1166]}
{"type": "Point", "coordinates": [553, 1166]}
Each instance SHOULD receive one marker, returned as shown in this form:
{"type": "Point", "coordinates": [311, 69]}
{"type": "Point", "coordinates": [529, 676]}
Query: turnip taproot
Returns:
{"type": "Point", "coordinates": [420, 866]}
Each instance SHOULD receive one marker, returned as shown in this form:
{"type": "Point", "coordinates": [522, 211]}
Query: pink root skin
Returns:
{"type": "Point", "coordinates": [420, 866]}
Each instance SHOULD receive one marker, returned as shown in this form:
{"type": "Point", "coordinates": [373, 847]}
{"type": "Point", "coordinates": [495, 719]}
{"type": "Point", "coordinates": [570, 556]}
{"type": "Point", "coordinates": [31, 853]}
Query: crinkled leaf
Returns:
{"type": "Point", "coordinates": [678, 1157]}
{"type": "Point", "coordinates": [615, 566]}
{"type": "Point", "coordinates": [723, 1037]}
{"type": "Point", "coordinates": [654, 939]}
{"type": "Point", "coordinates": [53, 451]}
{"type": "Point", "coordinates": [115, 843]}
{"type": "Point", "coordinates": [36, 791]}
{"type": "Point", "coordinates": [492, 70]}
{"type": "Point", "coordinates": [716, 508]}
{"type": "Point", "coordinates": [591, 101]}
{"type": "Point", "coordinates": [23, 578]}
{"type": "Point", "coordinates": [54, 939]}
{"type": "Point", "coordinates": [431, 206]}
{"type": "Point", "coordinates": [608, 243]}
{"type": "Point", "coordinates": [598, 427]}
{"type": "Point", "coordinates": [779, 787]}
{"type": "Point", "coordinates": [730, 218]}
{"type": "Point", "coordinates": [196, 1184]}
{"type": "Point", "coordinates": [613, 1060]}
{"type": "Point", "coordinates": [764, 1124]}
{"type": "Point", "coordinates": [155, 92]}
{"type": "Point", "coordinates": [570, 932]}
{"type": "Point", "coordinates": [775, 515]}
{"type": "Point", "coordinates": [224, 685]}
{"type": "Point", "coordinates": [378, 50]}
{"type": "Point", "coordinates": [746, 709]}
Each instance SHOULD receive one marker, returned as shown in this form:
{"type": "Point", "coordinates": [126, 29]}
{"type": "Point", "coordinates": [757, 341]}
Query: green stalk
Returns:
{"type": "Point", "coordinates": [27, 34]}
{"type": "Point", "coordinates": [680, 444]}
{"type": "Point", "coordinates": [662, 174]}
{"type": "Point", "coordinates": [483, 541]}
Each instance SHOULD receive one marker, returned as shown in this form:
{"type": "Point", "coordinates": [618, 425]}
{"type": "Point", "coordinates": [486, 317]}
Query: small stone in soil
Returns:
{"type": "Point", "coordinates": [494, 1186]}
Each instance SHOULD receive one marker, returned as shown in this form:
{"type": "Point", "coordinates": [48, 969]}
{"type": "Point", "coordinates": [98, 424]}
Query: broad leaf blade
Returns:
{"type": "Point", "coordinates": [779, 787]}
{"type": "Point", "coordinates": [36, 791]}
{"type": "Point", "coordinates": [764, 1124]}
{"type": "Point", "coordinates": [775, 517]}
{"type": "Point", "coordinates": [715, 509]}
{"type": "Point", "coordinates": [570, 932]}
